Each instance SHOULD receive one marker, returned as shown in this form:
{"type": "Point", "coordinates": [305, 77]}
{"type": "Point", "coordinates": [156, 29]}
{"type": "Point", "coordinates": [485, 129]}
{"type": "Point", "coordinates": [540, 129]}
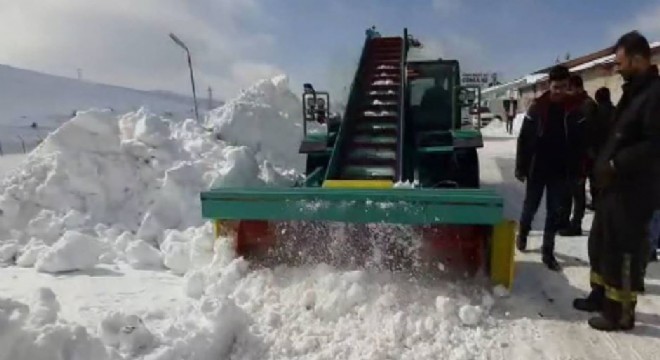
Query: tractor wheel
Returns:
{"type": "Point", "coordinates": [313, 162]}
{"type": "Point", "coordinates": [467, 172]}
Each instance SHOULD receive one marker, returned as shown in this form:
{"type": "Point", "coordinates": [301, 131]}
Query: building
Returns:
{"type": "Point", "coordinates": [494, 97]}
{"type": "Point", "coordinates": [597, 70]}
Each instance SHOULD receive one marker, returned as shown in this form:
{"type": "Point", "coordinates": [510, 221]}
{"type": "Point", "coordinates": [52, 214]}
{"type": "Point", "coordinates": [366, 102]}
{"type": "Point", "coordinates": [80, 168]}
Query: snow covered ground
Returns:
{"type": "Point", "coordinates": [106, 257]}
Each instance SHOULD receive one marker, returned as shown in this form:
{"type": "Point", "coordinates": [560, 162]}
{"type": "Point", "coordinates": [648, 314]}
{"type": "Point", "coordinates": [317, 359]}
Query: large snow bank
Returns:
{"type": "Point", "coordinates": [266, 117]}
{"type": "Point", "coordinates": [131, 183]}
{"type": "Point", "coordinates": [106, 189]}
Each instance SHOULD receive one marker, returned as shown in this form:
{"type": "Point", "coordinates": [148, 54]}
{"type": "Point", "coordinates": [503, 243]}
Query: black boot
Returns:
{"type": "Point", "coordinates": [614, 317]}
{"type": "Point", "coordinates": [551, 262]}
{"type": "Point", "coordinates": [548, 251]}
{"type": "Point", "coordinates": [521, 242]}
{"type": "Point", "coordinates": [572, 230]}
{"type": "Point", "coordinates": [593, 302]}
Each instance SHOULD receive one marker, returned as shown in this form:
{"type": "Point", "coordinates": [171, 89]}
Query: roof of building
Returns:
{"type": "Point", "coordinates": [587, 62]}
{"type": "Point", "coordinates": [600, 57]}
{"type": "Point", "coordinates": [580, 60]}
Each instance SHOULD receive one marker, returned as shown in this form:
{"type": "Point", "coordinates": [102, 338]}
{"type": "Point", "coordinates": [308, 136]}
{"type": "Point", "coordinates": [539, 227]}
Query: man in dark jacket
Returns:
{"type": "Point", "coordinates": [549, 140]}
{"type": "Point", "coordinates": [628, 176]}
{"type": "Point", "coordinates": [596, 135]}
{"type": "Point", "coordinates": [576, 197]}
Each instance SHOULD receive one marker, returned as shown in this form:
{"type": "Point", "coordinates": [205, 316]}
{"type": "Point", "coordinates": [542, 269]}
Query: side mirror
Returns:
{"type": "Point", "coordinates": [316, 106]}
{"type": "Point", "coordinates": [467, 96]}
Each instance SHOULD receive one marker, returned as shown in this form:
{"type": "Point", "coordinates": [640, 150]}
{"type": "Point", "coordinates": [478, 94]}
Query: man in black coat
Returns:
{"type": "Point", "coordinates": [597, 132]}
{"type": "Point", "coordinates": [628, 176]}
{"type": "Point", "coordinates": [576, 197]}
{"type": "Point", "coordinates": [549, 145]}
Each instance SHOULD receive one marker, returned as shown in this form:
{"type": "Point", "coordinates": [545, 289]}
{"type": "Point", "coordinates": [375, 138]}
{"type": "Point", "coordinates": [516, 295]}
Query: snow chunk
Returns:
{"type": "Point", "coordinates": [176, 252]}
{"type": "Point", "coordinates": [195, 283]}
{"type": "Point", "coordinates": [470, 315]}
{"type": "Point", "coordinates": [141, 255]}
{"type": "Point", "coordinates": [152, 130]}
{"type": "Point", "coordinates": [31, 253]}
{"type": "Point", "coordinates": [126, 333]}
{"type": "Point", "coordinates": [500, 291]}
{"type": "Point", "coordinates": [8, 251]}
{"type": "Point", "coordinates": [45, 307]}
{"type": "Point", "coordinates": [73, 251]}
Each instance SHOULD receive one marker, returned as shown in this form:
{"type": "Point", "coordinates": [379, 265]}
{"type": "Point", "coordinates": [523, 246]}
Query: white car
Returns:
{"type": "Point", "coordinates": [486, 116]}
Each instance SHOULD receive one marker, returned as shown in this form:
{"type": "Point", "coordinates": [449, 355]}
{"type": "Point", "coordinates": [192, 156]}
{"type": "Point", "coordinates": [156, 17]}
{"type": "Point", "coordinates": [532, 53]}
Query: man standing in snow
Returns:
{"type": "Point", "coordinates": [549, 145]}
{"type": "Point", "coordinates": [576, 197]}
{"type": "Point", "coordinates": [628, 176]}
{"type": "Point", "coordinates": [597, 132]}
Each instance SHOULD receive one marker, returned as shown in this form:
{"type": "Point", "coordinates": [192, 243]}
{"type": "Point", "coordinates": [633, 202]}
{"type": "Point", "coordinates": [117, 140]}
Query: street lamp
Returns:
{"type": "Point", "coordinates": [192, 78]}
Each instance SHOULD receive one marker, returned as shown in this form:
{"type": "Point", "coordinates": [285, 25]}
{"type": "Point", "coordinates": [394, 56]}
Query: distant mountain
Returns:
{"type": "Point", "coordinates": [28, 97]}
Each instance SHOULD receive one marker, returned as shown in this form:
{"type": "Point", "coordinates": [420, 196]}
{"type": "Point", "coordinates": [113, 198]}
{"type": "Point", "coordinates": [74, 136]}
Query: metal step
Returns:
{"type": "Point", "coordinates": [382, 93]}
{"type": "Point", "coordinates": [368, 172]}
{"type": "Point", "coordinates": [375, 140]}
{"type": "Point", "coordinates": [376, 127]}
{"type": "Point", "coordinates": [383, 103]}
{"type": "Point", "coordinates": [380, 114]}
{"type": "Point", "coordinates": [385, 83]}
{"type": "Point", "coordinates": [376, 155]}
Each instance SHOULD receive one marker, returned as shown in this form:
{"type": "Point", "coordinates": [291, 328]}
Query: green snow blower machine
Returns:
{"type": "Point", "coordinates": [395, 178]}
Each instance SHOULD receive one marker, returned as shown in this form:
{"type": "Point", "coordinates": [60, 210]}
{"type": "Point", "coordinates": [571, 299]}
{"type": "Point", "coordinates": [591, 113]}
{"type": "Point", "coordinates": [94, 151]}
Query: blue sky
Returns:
{"type": "Point", "coordinates": [236, 42]}
{"type": "Point", "coordinates": [512, 37]}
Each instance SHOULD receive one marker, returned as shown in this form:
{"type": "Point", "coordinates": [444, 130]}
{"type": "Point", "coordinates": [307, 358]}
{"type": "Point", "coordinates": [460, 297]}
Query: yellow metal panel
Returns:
{"type": "Point", "coordinates": [502, 262]}
{"type": "Point", "coordinates": [224, 229]}
{"type": "Point", "coordinates": [358, 184]}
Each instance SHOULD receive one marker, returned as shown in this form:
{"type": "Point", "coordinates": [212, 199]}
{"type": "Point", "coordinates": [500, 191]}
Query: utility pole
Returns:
{"type": "Point", "coordinates": [210, 98]}
{"type": "Point", "coordinates": [192, 77]}
{"type": "Point", "coordinates": [79, 74]}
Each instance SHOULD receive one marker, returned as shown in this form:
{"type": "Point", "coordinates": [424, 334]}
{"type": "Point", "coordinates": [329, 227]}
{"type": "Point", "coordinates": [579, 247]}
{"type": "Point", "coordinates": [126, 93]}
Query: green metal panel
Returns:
{"type": "Point", "coordinates": [465, 133]}
{"type": "Point", "coordinates": [436, 149]}
{"type": "Point", "coordinates": [402, 206]}
{"type": "Point", "coordinates": [315, 179]}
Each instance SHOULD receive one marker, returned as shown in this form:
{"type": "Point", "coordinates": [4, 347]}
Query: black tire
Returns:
{"type": "Point", "coordinates": [467, 168]}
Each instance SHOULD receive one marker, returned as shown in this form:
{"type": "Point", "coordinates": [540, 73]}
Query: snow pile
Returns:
{"type": "Point", "coordinates": [112, 186]}
{"type": "Point", "coordinates": [73, 251]}
{"type": "Point", "coordinates": [35, 332]}
{"type": "Point", "coordinates": [266, 117]}
{"type": "Point", "coordinates": [321, 312]}
{"type": "Point", "coordinates": [406, 184]}
{"type": "Point", "coordinates": [128, 334]}
{"type": "Point", "coordinates": [497, 128]}
{"type": "Point", "coordinates": [105, 191]}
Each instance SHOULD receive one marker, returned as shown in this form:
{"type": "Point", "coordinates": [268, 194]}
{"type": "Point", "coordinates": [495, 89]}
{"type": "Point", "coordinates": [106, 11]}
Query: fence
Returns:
{"type": "Point", "coordinates": [19, 144]}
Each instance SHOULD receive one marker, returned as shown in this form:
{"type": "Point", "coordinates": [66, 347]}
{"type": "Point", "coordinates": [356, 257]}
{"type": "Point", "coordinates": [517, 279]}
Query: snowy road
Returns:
{"type": "Point", "coordinates": [543, 323]}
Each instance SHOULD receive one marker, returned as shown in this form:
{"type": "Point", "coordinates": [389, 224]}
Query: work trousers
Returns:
{"type": "Point", "coordinates": [555, 190]}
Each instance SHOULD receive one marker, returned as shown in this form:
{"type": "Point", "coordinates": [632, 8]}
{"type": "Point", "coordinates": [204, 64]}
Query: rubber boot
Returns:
{"type": "Point", "coordinates": [521, 239]}
{"type": "Point", "coordinates": [548, 252]}
{"type": "Point", "coordinates": [593, 302]}
{"type": "Point", "coordinates": [614, 317]}
{"type": "Point", "coordinates": [572, 230]}
{"type": "Point", "coordinates": [521, 242]}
